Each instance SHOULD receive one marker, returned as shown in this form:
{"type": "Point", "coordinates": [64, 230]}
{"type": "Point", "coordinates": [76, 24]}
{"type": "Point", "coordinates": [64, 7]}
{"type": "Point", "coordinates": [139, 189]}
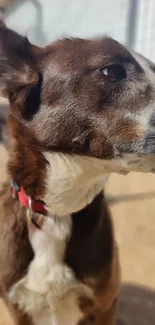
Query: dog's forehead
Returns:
{"type": "Point", "coordinates": [74, 54]}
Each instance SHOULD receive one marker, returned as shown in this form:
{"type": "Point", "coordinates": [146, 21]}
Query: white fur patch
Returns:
{"type": "Point", "coordinates": [72, 182]}
{"type": "Point", "coordinates": [49, 292]}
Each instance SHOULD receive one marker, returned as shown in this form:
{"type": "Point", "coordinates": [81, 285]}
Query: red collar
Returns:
{"type": "Point", "coordinates": [23, 198]}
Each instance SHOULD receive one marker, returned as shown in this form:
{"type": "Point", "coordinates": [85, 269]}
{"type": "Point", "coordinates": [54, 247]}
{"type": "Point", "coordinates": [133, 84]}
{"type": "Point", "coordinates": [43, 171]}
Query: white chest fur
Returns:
{"type": "Point", "coordinates": [49, 292]}
{"type": "Point", "coordinates": [72, 182]}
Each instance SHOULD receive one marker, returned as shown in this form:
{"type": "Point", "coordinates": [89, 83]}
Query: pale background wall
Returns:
{"type": "Point", "coordinates": [129, 21]}
{"type": "Point", "coordinates": [131, 198]}
{"type": "Point", "coordinates": [45, 20]}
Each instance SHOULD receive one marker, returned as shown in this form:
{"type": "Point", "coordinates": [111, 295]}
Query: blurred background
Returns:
{"type": "Point", "coordinates": [132, 197]}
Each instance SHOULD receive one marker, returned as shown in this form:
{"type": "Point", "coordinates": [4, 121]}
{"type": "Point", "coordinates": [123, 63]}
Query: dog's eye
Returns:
{"type": "Point", "coordinates": [115, 71]}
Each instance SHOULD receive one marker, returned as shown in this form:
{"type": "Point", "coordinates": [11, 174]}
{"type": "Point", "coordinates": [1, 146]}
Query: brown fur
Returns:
{"type": "Point", "coordinates": [99, 270]}
{"type": "Point", "coordinates": [61, 101]}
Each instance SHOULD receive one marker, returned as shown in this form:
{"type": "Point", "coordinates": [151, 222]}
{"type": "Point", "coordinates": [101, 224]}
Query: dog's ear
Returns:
{"type": "Point", "coordinates": [17, 65]}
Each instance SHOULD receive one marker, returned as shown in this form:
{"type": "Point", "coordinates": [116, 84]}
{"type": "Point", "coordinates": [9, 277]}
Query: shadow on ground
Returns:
{"type": "Point", "coordinates": [114, 199]}
{"type": "Point", "coordinates": [136, 306]}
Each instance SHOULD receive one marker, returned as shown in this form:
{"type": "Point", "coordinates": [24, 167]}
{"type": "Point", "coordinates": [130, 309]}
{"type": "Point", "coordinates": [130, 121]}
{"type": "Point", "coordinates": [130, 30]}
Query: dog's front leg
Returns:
{"type": "Point", "coordinates": [47, 274]}
{"type": "Point", "coordinates": [109, 318]}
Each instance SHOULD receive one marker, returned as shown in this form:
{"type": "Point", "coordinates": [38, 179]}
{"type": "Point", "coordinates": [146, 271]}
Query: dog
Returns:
{"type": "Point", "coordinates": [78, 111]}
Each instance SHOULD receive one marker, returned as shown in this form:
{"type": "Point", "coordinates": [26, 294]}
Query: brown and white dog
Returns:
{"type": "Point", "coordinates": [79, 110]}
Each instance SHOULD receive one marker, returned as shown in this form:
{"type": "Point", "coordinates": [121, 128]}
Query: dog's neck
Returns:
{"type": "Point", "coordinates": [65, 182]}
{"type": "Point", "coordinates": [72, 182]}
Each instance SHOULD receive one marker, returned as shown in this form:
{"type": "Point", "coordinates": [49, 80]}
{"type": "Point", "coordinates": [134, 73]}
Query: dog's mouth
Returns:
{"type": "Point", "coordinates": [135, 163]}
{"type": "Point", "coordinates": [136, 156]}
{"type": "Point", "coordinates": [149, 145]}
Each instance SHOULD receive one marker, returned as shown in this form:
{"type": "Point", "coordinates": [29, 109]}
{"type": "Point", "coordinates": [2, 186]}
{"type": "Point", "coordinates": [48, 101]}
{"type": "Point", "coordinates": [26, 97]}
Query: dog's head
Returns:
{"type": "Point", "coordinates": [87, 97]}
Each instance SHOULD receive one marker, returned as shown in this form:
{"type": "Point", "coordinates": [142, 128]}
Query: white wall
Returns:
{"type": "Point", "coordinates": [45, 20]}
{"type": "Point", "coordinates": [129, 21]}
{"type": "Point", "coordinates": [145, 31]}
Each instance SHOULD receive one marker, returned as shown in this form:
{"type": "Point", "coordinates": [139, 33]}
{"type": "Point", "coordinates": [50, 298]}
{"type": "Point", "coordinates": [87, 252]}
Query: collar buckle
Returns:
{"type": "Point", "coordinates": [25, 200]}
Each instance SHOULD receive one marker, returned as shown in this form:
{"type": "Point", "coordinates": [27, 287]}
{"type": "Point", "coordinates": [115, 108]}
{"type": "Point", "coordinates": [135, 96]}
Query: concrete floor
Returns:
{"type": "Point", "coordinates": [132, 202]}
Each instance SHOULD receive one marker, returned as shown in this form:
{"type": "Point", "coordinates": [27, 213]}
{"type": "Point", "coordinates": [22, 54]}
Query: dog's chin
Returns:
{"type": "Point", "coordinates": [135, 162]}
{"type": "Point", "coordinates": [149, 144]}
